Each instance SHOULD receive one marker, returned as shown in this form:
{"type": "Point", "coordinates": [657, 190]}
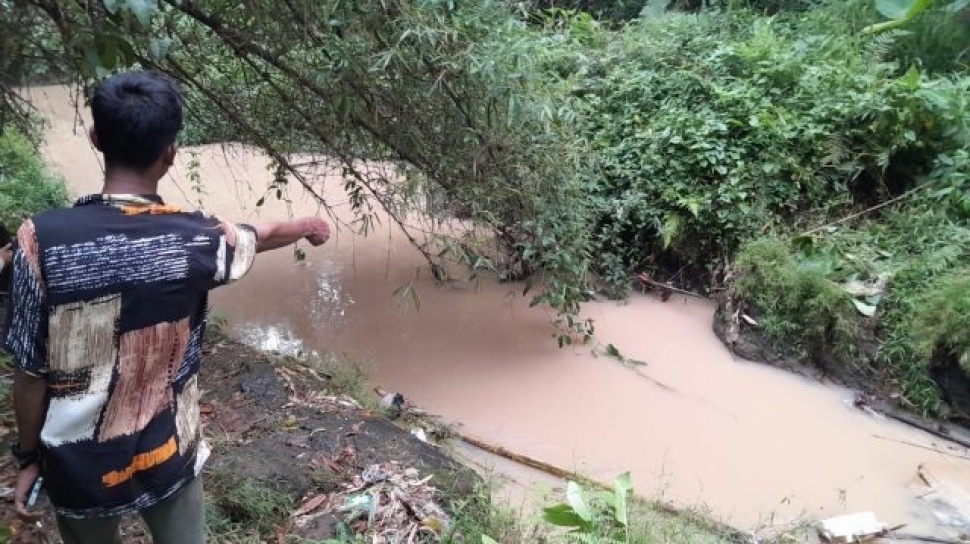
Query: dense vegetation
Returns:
{"type": "Point", "coordinates": [26, 185]}
{"type": "Point", "coordinates": [714, 144]}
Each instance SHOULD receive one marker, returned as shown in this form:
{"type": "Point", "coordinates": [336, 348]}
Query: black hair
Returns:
{"type": "Point", "coordinates": [136, 115]}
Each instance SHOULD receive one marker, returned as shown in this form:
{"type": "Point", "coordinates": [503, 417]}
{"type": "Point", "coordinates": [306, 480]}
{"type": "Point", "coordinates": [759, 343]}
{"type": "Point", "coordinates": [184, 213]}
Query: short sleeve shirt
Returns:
{"type": "Point", "coordinates": [108, 304]}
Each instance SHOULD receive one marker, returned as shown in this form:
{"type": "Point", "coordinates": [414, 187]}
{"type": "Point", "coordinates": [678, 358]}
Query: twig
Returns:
{"type": "Point", "coordinates": [642, 278]}
{"type": "Point", "coordinates": [866, 211]}
{"type": "Point", "coordinates": [561, 473]}
{"type": "Point", "coordinates": [654, 381]}
{"type": "Point", "coordinates": [932, 539]}
{"type": "Point", "coordinates": [916, 422]}
{"type": "Point", "coordinates": [532, 462]}
{"type": "Point", "coordinates": [915, 445]}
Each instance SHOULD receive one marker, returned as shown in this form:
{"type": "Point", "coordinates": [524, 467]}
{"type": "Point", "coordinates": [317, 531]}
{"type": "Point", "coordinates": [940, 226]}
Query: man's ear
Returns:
{"type": "Point", "coordinates": [168, 154]}
{"type": "Point", "coordinates": [93, 136]}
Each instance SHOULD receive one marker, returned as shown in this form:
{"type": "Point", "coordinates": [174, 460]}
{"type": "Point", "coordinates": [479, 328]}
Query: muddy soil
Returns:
{"type": "Point", "coordinates": [273, 420]}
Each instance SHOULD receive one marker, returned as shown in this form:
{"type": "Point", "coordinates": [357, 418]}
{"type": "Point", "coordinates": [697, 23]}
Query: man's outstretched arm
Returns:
{"type": "Point", "coordinates": [277, 234]}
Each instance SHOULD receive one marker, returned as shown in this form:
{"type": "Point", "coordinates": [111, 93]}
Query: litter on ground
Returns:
{"type": "Point", "coordinates": [386, 501]}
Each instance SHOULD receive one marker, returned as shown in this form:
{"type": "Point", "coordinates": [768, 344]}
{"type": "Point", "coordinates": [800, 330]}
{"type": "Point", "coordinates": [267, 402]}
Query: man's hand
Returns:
{"type": "Point", "coordinates": [277, 234]}
{"type": "Point", "coordinates": [25, 480]}
{"type": "Point", "coordinates": [318, 231]}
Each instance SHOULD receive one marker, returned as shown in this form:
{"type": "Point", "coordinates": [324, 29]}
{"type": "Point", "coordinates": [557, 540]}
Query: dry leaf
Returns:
{"type": "Point", "coordinates": [311, 504]}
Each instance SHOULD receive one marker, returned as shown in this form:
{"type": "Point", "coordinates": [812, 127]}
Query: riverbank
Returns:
{"type": "Point", "coordinates": [787, 449]}
{"type": "Point", "coordinates": [292, 436]}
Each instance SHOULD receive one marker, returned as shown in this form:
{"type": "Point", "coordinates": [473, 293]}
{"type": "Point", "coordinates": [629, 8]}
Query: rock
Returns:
{"type": "Point", "coordinates": [316, 528]}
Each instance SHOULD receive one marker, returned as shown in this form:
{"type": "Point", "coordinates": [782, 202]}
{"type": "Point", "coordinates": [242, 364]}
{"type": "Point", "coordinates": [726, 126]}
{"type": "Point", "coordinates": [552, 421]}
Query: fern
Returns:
{"type": "Point", "coordinates": [881, 47]}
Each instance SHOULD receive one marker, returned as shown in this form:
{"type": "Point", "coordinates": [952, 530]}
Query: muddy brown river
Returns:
{"type": "Point", "coordinates": [756, 445]}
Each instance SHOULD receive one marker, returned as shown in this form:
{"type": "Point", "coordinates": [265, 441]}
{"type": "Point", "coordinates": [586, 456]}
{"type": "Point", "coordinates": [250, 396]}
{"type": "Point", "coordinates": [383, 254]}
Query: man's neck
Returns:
{"type": "Point", "coordinates": [120, 181]}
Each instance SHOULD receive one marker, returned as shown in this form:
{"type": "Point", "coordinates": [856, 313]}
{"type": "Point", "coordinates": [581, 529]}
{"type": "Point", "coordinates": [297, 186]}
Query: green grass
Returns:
{"type": "Point", "coordinates": [919, 245]}
{"type": "Point", "coordinates": [219, 528]}
{"type": "Point", "coordinates": [244, 508]}
{"type": "Point", "coordinates": [800, 304]}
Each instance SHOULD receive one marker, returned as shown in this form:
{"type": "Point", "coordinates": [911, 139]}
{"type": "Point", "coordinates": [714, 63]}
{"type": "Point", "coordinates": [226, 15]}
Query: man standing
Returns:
{"type": "Point", "coordinates": [106, 321]}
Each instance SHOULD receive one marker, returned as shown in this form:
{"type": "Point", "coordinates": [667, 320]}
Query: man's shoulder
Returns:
{"type": "Point", "coordinates": [88, 222]}
{"type": "Point", "coordinates": [54, 215]}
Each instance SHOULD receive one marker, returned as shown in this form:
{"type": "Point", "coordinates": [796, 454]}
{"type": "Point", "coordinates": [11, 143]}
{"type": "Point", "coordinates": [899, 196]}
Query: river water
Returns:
{"type": "Point", "coordinates": [756, 445]}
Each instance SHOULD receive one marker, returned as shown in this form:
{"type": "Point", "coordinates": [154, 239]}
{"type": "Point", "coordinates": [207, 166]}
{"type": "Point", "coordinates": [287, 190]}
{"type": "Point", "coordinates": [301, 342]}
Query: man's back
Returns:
{"type": "Point", "coordinates": [107, 313]}
{"type": "Point", "coordinates": [120, 284]}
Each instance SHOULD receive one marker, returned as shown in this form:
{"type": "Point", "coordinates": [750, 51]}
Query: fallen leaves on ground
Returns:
{"type": "Point", "coordinates": [311, 397]}
{"type": "Point", "coordinates": [387, 502]}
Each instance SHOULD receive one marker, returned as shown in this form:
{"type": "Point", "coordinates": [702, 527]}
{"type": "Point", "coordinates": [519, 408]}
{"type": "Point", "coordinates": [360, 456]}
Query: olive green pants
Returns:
{"type": "Point", "coordinates": [178, 519]}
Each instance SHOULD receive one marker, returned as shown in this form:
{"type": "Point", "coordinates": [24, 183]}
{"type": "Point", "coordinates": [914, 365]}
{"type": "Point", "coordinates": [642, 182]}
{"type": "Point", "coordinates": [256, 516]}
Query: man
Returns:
{"type": "Point", "coordinates": [106, 323]}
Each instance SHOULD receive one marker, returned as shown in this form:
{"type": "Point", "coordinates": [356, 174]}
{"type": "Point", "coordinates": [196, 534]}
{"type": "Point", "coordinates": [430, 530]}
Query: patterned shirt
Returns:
{"type": "Point", "coordinates": [109, 304]}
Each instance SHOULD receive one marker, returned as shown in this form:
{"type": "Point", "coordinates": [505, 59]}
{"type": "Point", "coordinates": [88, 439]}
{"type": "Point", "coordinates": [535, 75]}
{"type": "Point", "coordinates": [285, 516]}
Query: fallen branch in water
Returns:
{"type": "Point", "coordinates": [563, 474]}
{"type": "Point", "coordinates": [734, 535]}
{"type": "Point", "coordinates": [915, 445]}
{"type": "Point", "coordinates": [530, 462]}
{"type": "Point", "coordinates": [654, 381]}
{"type": "Point", "coordinates": [914, 421]}
{"type": "Point", "coordinates": [644, 279]}
{"type": "Point", "coordinates": [930, 539]}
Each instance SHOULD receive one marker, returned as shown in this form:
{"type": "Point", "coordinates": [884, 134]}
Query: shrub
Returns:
{"type": "Point", "coordinates": [713, 128]}
{"type": "Point", "coordinates": [943, 319]}
{"type": "Point", "coordinates": [795, 302]}
{"type": "Point", "coordinates": [919, 245]}
{"type": "Point", "coordinates": [26, 185]}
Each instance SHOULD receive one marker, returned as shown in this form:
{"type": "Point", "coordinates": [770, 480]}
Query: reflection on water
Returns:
{"type": "Point", "coordinates": [326, 308]}
{"type": "Point", "coordinates": [330, 301]}
{"type": "Point", "coordinates": [752, 443]}
{"type": "Point", "coordinates": [270, 338]}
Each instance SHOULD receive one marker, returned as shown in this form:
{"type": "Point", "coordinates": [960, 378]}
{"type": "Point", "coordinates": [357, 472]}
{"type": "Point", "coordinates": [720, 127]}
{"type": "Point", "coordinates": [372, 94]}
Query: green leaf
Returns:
{"type": "Point", "coordinates": [574, 495]}
{"type": "Point", "coordinates": [488, 540]}
{"type": "Point", "coordinates": [107, 52]}
{"type": "Point", "coordinates": [895, 9]}
{"type": "Point", "coordinates": [694, 207]}
{"type": "Point", "coordinates": [159, 47]}
{"type": "Point", "coordinates": [899, 11]}
{"type": "Point", "coordinates": [622, 488]}
{"type": "Point", "coordinates": [670, 229]}
{"type": "Point", "coordinates": [867, 310]}
{"type": "Point", "coordinates": [957, 5]}
{"type": "Point", "coordinates": [613, 351]}
{"type": "Point", "coordinates": [143, 10]}
{"type": "Point", "coordinates": [562, 515]}
{"type": "Point", "coordinates": [912, 78]}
